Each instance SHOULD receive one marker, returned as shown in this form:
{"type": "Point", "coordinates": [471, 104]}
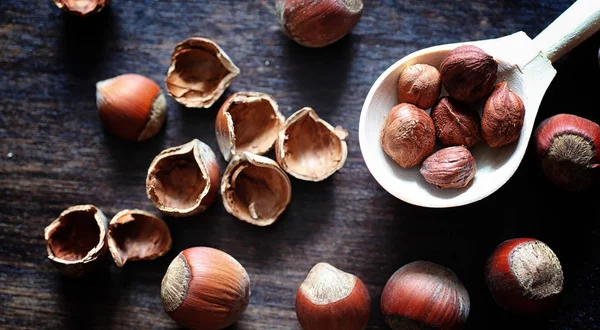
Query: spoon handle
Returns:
{"type": "Point", "coordinates": [577, 23]}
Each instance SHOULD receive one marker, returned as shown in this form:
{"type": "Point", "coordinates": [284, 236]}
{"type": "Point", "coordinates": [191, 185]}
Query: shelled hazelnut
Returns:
{"type": "Point", "coordinates": [81, 7]}
{"type": "Point", "coordinates": [502, 117]}
{"type": "Point", "coordinates": [419, 84]}
{"type": "Point", "coordinates": [456, 123]}
{"type": "Point", "coordinates": [451, 167]}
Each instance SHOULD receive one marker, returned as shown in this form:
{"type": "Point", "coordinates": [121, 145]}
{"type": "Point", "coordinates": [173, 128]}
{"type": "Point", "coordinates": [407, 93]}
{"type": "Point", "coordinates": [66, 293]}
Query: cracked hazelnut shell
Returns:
{"type": "Point", "coordinates": [407, 135]}
{"type": "Point", "coordinates": [76, 240]}
{"type": "Point", "coordinates": [456, 123]}
{"type": "Point", "coordinates": [248, 121]}
{"type": "Point", "coordinates": [137, 235]}
{"type": "Point", "coordinates": [502, 117]}
{"type": "Point", "coordinates": [82, 7]}
{"type": "Point", "coordinates": [309, 148]}
{"type": "Point", "coordinates": [199, 73]}
{"type": "Point", "coordinates": [451, 167]}
{"type": "Point", "coordinates": [255, 189]}
{"type": "Point", "coordinates": [183, 180]}
{"type": "Point", "coordinates": [419, 84]}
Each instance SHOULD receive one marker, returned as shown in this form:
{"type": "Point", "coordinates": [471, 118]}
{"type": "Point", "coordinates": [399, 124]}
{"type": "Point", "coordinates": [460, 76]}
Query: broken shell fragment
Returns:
{"type": "Point", "coordinates": [309, 148]}
{"type": "Point", "coordinates": [137, 235]}
{"type": "Point", "coordinates": [200, 72]}
{"type": "Point", "coordinates": [248, 121]}
{"type": "Point", "coordinates": [183, 180]}
{"type": "Point", "coordinates": [76, 240]}
{"type": "Point", "coordinates": [255, 189]}
{"type": "Point", "coordinates": [81, 7]}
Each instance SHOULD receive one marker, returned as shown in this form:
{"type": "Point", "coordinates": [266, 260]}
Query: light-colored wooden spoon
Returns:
{"type": "Point", "coordinates": [527, 66]}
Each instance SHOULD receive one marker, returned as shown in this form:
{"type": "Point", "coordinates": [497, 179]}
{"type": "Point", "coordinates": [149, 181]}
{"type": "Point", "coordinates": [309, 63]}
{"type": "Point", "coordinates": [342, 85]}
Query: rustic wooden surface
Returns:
{"type": "Point", "coordinates": [54, 153]}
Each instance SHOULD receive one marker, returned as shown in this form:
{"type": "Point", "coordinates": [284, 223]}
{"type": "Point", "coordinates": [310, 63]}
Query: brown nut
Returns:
{"type": "Point", "coordinates": [81, 7]}
{"type": "Point", "coordinates": [248, 121]}
{"type": "Point", "coordinates": [456, 124]}
{"type": "Point", "coordinates": [76, 240]}
{"type": "Point", "coordinates": [183, 180]}
{"type": "Point", "coordinates": [469, 73]}
{"type": "Point", "coordinates": [502, 117]}
{"type": "Point", "coordinates": [137, 235]}
{"type": "Point", "coordinates": [200, 72]}
{"type": "Point", "coordinates": [452, 167]}
{"type": "Point", "coordinates": [407, 135]}
{"type": "Point", "coordinates": [255, 189]}
{"type": "Point", "coordinates": [419, 84]}
{"type": "Point", "coordinates": [309, 148]}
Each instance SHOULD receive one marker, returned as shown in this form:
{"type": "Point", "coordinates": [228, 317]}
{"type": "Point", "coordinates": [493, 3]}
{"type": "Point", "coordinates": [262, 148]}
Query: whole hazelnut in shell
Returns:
{"type": "Point", "coordinates": [452, 167]}
{"type": "Point", "coordinates": [456, 123]}
{"type": "Point", "coordinates": [419, 84]}
{"type": "Point", "coordinates": [502, 117]}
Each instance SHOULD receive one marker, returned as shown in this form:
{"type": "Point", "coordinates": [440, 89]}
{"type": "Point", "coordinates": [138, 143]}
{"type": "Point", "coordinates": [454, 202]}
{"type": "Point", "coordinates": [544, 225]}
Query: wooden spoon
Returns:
{"type": "Point", "coordinates": [527, 66]}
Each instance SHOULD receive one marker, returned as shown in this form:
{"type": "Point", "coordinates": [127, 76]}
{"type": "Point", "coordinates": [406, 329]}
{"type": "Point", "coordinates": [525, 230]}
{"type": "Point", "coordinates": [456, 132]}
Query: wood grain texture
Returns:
{"type": "Point", "coordinates": [54, 153]}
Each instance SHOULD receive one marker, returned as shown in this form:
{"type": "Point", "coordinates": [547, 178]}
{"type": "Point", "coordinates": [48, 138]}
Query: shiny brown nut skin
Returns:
{"type": "Point", "coordinates": [419, 84]}
{"type": "Point", "coordinates": [502, 117]}
{"type": "Point", "coordinates": [407, 135]}
{"type": "Point", "coordinates": [456, 123]}
{"type": "Point", "coordinates": [468, 73]}
{"type": "Point", "coordinates": [82, 7]}
{"type": "Point", "coordinates": [451, 167]}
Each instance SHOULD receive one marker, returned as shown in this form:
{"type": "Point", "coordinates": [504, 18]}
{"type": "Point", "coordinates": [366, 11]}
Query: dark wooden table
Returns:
{"type": "Point", "coordinates": [54, 153]}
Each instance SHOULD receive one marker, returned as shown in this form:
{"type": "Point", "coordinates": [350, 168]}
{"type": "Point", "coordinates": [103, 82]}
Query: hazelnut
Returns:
{"type": "Point", "coordinates": [309, 148]}
{"type": "Point", "coordinates": [248, 121]}
{"type": "Point", "coordinates": [137, 235]}
{"type": "Point", "coordinates": [408, 135]}
{"type": "Point", "coordinates": [569, 149]}
{"type": "Point", "coordinates": [318, 23]}
{"type": "Point", "coordinates": [468, 73]}
{"type": "Point", "coordinates": [76, 240]}
{"type": "Point", "coordinates": [131, 106]}
{"type": "Point", "coordinates": [423, 295]}
{"type": "Point", "coordinates": [200, 72]}
{"type": "Point", "coordinates": [524, 276]}
{"type": "Point", "coordinates": [456, 123]}
{"type": "Point", "coordinates": [419, 84]}
{"type": "Point", "coordinates": [502, 117]}
{"type": "Point", "coordinates": [183, 180]}
{"type": "Point", "coordinates": [205, 289]}
{"type": "Point", "coordinates": [81, 7]}
{"type": "Point", "coordinates": [452, 167]}
{"type": "Point", "coordinates": [255, 189]}
{"type": "Point", "coordinates": [330, 299]}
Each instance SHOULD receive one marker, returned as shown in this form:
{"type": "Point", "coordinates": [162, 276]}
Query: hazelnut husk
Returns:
{"type": "Point", "coordinates": [137, 235]}
{"type": "Point", "coordinates": [200, 72]}
{"type": "Point", "coordinates": [456, 123]}
{"type": "Point", "coordinates": [255, 189]}
{"type": "Point", "coordinates": [407, 135]}
{"type": "Point", "coordinates": [82, 7]}
{"type": "Point", "coordinates": [318, 23]}
{"type": "Point", "coordinates": [502, 117]}
{"type": "Point", "coordinates": [183, 180]}
{"type": "Point", "coordinates": [76, 240]}
{"type": "Point", "coordinates": [248, 121]}
{"type": "Point", "coordinates": [468, 73]}
{"type": "Point", "coordinates": [309, 148]}
{"type": "Point", "coordinates": [452, 167]}
{"type": "Point", "coordinates": [205, 289]}
{"type": "Point", "coordinates": [419, 84]}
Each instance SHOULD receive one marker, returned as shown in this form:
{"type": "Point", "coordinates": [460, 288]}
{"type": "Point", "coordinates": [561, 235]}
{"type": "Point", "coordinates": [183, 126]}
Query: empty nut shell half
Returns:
{"type": "Point", "coordinates": [76, 240]}
{"type": "Point", "coordinates": [183, 180]}
{"type": "Point", "coordinates": [309, 148]}
{"type": "Point", "coordinates": [255, 189]}
{"type": "Point", "coordinates": [248, 121]}
{"type": "Point", "coordinates": [81, 7]}
{"type": "Point", "coordinates": [200, 72]}
{"type": "Point", "coordinates": [137, 235]}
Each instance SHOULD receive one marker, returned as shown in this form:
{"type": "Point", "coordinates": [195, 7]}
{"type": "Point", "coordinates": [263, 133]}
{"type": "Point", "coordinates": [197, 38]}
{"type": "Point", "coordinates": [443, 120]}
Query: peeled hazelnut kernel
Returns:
{"type": "Point", "coordinates": [137, 235]}
{"type": "Point", "coordinates": [419, 84]}
{"type": "Point", "coordinates": [569, 149]}
{"type": "Point", "coordinates": [76, 240]}
{"type": "Point", "coordinates": [248, 121]}
{"type": "Point", "coordinates": [81, 7]}
{"type": "Point", "coordinates": [318, 23]}
{"type": "Point", "coordinates": [131, 106]}
{"type": "Point", "coordinates": [468, 73]}
{"type": "Point", "coordinates": [183, 180]}
{"type": "Point", "coordinates": [524, 276]}
{"type": "Point", "coordinates": [502, 117]}
{"type": "Point", "coordinates": [309, 148]}
{"type": "Point", "coordinates": [407, 135]}
{"type": "Point", "coordinates": [330, 299]}
{"type": "Point", "coordinates": [452, 167]}
{"type": "Point", "coordinates": [200, 72]}
{"type": "Point", "coordinates": [205, 289]}
{"type": "Point", "coordinates": [425, 296]}
{"type": "Point", "coordinates": [456, 124]}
